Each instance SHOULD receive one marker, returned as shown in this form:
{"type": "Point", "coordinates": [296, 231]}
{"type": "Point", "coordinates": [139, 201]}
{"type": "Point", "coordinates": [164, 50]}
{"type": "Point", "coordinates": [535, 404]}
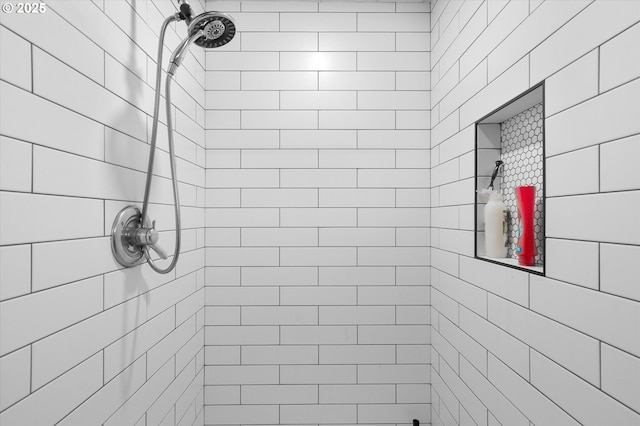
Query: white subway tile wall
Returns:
{"type": "Point", "coordinates": [326, 274]}
{"type": "Point", "coordinates": [82, 340]}
{"type": "Point", "coordinates": [508, 347]}
{"type": "Point", "coordinates": [317, 304]}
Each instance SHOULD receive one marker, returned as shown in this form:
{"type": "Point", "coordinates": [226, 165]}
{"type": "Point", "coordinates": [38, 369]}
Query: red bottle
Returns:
{"type": "Point", "coordinates": [526, 248]}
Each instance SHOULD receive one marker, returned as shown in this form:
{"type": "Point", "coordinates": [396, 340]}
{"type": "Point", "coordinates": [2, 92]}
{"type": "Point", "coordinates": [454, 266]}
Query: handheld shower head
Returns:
{"type": "Point", "coordinates": [218, 29]}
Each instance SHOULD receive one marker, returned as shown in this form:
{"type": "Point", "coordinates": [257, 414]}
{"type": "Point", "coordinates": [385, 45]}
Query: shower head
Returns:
{"type": "Point", "coordinates": [209, 29]}
{"type": "Point", "coordinates": [218, 29]}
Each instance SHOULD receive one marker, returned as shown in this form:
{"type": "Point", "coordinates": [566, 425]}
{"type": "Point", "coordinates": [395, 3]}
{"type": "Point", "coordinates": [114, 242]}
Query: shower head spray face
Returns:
{"type": "Point", "coordinates": [218, 29]}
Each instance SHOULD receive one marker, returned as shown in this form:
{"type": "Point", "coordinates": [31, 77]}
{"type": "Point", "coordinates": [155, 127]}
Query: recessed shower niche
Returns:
{"type": "Point", "coordinates": [509, 203]}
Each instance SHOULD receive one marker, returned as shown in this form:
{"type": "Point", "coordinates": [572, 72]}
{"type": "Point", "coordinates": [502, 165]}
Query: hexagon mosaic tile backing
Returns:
{"type": "Point", "coordinates": [522, 153]}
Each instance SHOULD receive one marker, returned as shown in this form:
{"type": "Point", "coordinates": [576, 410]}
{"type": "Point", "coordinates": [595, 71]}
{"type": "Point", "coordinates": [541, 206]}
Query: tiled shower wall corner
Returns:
{"type": "Point", "coordinates": [83, 341]}
{"type": "Point", "coordinates": [512, 348]}
{"type": "Point", "coordinates": [317, 215]}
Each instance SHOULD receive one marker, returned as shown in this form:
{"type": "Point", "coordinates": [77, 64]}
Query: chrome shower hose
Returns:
{"type": "Point", "coordinates": [152, 149]}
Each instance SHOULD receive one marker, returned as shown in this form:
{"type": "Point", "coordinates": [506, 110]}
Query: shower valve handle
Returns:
{"type": "Point", "coordinates": [153, 234]}
{"type": "Point", "coordinates": [159, 251]}
{"type": "Point", "coordinates": [149, 237]}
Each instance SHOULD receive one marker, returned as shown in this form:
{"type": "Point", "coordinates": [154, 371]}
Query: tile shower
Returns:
{"type": "Point", "coordinates": [326, 168]}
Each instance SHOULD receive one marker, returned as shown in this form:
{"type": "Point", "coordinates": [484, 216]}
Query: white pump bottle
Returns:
{"type": "Point", "coordinates": [496, 220]}
{"type": "Point", "coordinates": [495, 228]}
